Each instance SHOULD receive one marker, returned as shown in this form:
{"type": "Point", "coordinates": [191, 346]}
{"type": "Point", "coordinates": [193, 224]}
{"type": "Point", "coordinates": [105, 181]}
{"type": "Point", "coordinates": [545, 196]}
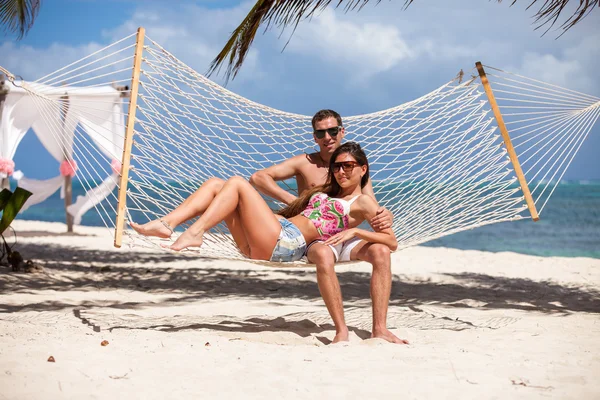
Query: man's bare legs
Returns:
{"type": "Point", "coordinates": [329, 286]}
{"type": "Point", "coordinates": [379, 256]}
{"type": "Point", "coordinates": [191, 207]}
{"type": "Point", "coordinates": [260, 225]}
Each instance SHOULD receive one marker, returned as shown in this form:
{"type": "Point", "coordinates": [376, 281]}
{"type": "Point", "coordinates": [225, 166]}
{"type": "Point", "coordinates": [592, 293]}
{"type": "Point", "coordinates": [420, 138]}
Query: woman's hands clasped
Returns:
{"type": "Point", "coordinates": [341, 237]}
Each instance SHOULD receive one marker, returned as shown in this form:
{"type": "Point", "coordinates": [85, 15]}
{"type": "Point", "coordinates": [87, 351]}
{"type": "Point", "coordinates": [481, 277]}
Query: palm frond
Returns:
{"type": "Point", "coordinates": [285, 13]}
{"type": "Point", "coordinates": [269, 13]}
{"type": "Point", "coordinates": [17, 16]}
{"type": "Point", "coordinates": [550, 11]}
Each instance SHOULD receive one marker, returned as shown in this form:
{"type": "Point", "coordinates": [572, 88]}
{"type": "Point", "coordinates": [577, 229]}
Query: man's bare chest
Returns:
{"type": "Point", "coordinates": [311, 176]}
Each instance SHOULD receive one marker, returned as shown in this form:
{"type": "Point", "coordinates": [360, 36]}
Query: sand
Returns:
{"type": "Point", "coordinates": [480, 325]}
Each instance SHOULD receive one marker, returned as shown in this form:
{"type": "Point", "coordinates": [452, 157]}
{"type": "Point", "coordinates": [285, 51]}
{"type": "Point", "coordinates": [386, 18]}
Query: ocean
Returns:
{"type": "Point", "coordinates": [569, 225]}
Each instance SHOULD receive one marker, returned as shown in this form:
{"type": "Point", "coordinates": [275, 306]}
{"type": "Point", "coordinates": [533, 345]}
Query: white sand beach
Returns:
{"type": "Point", "coordinates": [480, 325]}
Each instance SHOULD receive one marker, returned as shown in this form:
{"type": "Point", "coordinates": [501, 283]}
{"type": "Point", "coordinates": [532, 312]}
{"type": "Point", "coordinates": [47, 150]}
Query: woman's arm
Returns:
{"type": "Point", "coordinates": [367, 206]}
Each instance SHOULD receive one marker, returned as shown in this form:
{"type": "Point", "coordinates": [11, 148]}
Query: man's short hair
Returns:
{"type": "Point", "coordinates": [324, 114]}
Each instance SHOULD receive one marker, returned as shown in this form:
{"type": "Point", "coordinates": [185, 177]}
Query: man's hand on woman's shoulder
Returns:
{"type": "Point", "coordinates": [382, 220]}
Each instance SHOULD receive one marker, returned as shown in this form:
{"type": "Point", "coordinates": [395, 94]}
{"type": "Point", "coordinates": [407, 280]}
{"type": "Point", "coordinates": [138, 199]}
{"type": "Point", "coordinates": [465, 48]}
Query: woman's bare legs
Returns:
{"type": "Point", "coordinates": [237, 230]}
{"type": "Point", "coordinates": [191, 207]}
{"type": "Point", "coordinates": [258, 222]}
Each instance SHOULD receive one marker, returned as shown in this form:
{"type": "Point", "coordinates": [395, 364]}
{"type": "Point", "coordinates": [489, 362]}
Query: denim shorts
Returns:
{"type": "Point", "coordinates": [291, 245]}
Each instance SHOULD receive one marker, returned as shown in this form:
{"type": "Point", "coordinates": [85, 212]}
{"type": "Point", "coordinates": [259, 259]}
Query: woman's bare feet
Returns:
{"type": "Point", "coordinates": [157, 228]}
{"type": "Point", "coordinates": [385, 334]}
{"type": "Point", "coordinates": [187, 239]}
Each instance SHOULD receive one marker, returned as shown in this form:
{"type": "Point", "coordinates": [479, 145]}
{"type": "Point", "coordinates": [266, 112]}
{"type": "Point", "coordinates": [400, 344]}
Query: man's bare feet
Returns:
{"type": "Point", "coordinates": [187, 239]}
{"type": "Point", "coordinates": [341, 336]}
{"type": "Point", "coordinates": [155, 228]}
{"type": "Point", "coordinates": [385, 334]}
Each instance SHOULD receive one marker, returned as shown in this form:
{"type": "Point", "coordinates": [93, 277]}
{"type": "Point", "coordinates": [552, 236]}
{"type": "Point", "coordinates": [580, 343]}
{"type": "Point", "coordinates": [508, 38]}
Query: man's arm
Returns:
{"type": "Point", "coordinates": [384, 218]}
{"type": "Point", "coordinates": [265, 180]}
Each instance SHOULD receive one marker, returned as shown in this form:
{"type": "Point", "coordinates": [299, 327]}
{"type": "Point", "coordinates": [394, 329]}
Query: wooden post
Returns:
{"type": "Point", "coordinates": [507, 142]}
{"type": "Point", "coordinates": [5, 184]}
{"type": "Point", "coordinates": [125, 161]}
{"type": "Point", "coordinates": [68, 180]}
{"type": "Point", "coordinates": [69, 201]}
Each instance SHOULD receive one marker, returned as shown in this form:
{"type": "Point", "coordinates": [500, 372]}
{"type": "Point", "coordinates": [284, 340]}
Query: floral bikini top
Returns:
{"type": "Point", "coordinates": [328, 214]}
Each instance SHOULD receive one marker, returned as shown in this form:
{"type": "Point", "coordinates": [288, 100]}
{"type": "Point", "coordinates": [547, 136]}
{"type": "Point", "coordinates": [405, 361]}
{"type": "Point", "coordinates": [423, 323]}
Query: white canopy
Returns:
{"type": "Point", "coordinates": [98, 111]}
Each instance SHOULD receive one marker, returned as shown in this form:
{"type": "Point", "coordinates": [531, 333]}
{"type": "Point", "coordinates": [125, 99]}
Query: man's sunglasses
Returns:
{"type": "Point", "coordinates": [333, 132]}
{"type": "Point", "coordinates": [348, 166]}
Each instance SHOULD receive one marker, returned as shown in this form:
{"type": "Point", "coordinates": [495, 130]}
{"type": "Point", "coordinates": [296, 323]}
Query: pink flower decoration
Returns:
{"type": "Point", "coordinates": [7, 166]}
{"type": "Point", "coordinates": [116, 166]}
{"type": "Point", "coordinates": [68, 168]}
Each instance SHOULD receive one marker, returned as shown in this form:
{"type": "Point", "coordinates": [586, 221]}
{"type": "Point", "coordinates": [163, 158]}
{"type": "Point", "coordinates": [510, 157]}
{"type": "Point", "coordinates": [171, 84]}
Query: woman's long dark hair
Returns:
{"type": "Point", "coordinates": [331, 187]}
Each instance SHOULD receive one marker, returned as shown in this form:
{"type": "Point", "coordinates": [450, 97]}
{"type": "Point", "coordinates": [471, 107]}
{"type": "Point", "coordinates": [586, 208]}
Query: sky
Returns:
{"type": "Point", "coordinates": [355, 62]}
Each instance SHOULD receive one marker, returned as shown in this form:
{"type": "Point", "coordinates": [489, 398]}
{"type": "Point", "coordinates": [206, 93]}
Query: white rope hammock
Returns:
{"type": "Point", "coordinates": [438, 163]}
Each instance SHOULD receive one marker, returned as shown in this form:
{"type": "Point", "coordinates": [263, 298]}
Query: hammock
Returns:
{"type": "Point", "coordinates": [488, 146]}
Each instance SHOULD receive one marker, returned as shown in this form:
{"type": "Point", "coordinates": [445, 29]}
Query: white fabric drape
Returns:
{"type": "Point", "coordinates": [18, 115]}
{"type": "Point", "coordinates": [103, 121]}
{"type": "Point", "coordinates": [92, 197]}
{"type": "Point", "coordinates": [54, 129]}
{"type": "Point", "coordinates": [99, 111]}
{"type": "Point", "coordinates": [41, 189]}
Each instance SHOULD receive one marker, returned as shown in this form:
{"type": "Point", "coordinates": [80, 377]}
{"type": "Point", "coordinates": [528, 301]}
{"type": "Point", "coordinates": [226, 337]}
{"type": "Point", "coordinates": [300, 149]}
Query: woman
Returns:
{"type": "Point", "coordinates": [330, 213]}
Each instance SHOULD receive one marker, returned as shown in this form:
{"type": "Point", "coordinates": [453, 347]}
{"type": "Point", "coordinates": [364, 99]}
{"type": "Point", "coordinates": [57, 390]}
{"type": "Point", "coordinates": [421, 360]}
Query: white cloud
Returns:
{"type": "Point", "coordinates": [32, 63]}
{"type": "Point", "coordinates": [192, 34]}
{"type": "Point", "coordinates": [572, 68]}
{"type": "Point", "coordinates": [442, 52]}
{"type": "Point", "coordinates": [365, 49]}
{"type": "Point", "coordinates": [549, 68]}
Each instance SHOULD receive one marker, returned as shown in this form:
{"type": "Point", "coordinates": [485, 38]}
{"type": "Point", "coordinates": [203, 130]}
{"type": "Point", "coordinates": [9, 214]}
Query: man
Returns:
{"type": "Point", "coordinates": [310, 170]}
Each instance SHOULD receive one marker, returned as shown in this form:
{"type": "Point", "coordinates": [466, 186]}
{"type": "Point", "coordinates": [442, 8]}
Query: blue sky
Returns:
{"type": "Point", "coordinates": [353, 62]}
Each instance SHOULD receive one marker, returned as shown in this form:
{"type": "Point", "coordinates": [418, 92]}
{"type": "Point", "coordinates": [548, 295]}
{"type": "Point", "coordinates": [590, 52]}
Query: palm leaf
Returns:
{"type": "Point", "coordinates": [17, 16]}
{"type": "Point", "coordinates": [12, 206]}
{"type": "Point", "coordinates": [4, 196]}
{"type": "Point", "coordinates": [285, 13]}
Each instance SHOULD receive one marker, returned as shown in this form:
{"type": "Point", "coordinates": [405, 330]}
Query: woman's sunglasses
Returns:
{"type": "Point", "coordinates": [333, 132]}
{"type": "Point", "coordinates": [348, 166]}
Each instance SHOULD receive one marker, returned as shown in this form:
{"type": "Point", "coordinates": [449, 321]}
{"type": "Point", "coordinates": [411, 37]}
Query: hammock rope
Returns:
{"type": "Point", "coordinates": [438, 163]}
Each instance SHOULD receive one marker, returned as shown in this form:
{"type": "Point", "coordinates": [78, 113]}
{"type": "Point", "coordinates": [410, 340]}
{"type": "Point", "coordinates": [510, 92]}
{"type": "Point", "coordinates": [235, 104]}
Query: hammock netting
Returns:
{"type": "Point", "coordinates": [438, 163]}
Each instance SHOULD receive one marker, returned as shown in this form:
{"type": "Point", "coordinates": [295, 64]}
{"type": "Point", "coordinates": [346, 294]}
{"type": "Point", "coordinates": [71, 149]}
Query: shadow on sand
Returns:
{"type": "Point", "coordinates": [69, 268]}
